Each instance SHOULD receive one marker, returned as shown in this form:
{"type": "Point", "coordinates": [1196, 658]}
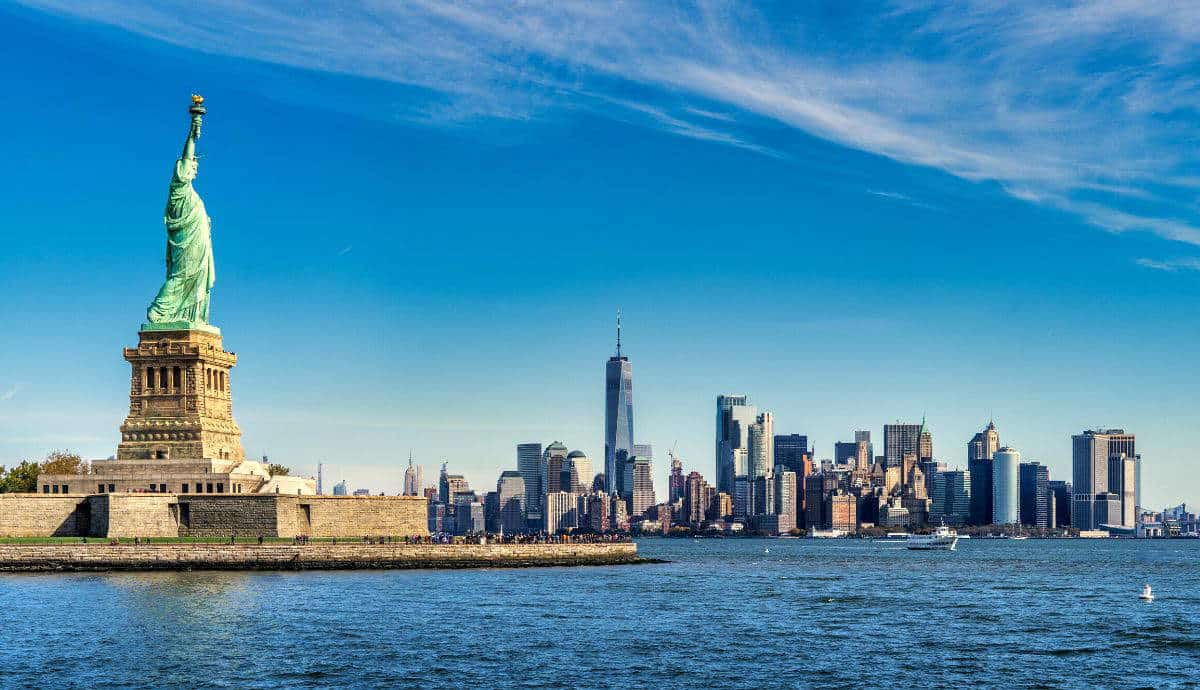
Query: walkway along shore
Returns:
{"type": "Point", "coordinates": [315, 556]}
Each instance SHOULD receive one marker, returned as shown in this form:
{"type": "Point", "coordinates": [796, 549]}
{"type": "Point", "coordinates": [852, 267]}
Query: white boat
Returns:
{"type": "Point", "coordinates": [1019, 538]}
{"type": "Point", "coordinates": [1146, 594]}
{"type": "Point", "coordinates": [826, 534]}
{"type": "Point", "coordinates": [942, 539]}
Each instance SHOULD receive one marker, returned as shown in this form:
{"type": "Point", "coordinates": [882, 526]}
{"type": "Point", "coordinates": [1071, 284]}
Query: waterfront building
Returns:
{"type": "Point", "coordinates": [577, 472]}
{"type": "Point", "coordinates": [618, 514]}
{"type": "Point", "coordinates": [722, 506]}
{"type": "Point", "coordinates": [1122, 481]}
{"type": "Point", "coordinates": [561, 511]}
{"type": "Point", "coordinates": [924, 442]}
{"type": "Point", "coordinates": [1006, 498]}
{"type": "Point", "coordinates": [341, 489]}
{"type": "Point", "coordinates": [510, 491]}
{"type": "Point", "coordinates": [436, 517]}
{"type": "Point", "coordinates": [900, 439]}
{"type": "Point", "coordinates": [1061, 495]}
{"type": "Point", "coordinates": [893, 515]}
{"type": "Point", "coordinates": [491, 511]}
{"type": "Point", "coordinates": [554, 459]}
{"type": "Point", "coordinates": [412, 478]}
{"type": "Point", "coordinates": [761, 450]}
{"type": "Point", "coordinates": [980, 450]}
{"type": "Point", "coordinates": [817, 488]}
{"type": "Point", "coordinates": [1090, 453]}
{"type": "Point", "coordinates": [892, 483]}
{"type": "Point", "coordinates": [1106, 510]}
{"type": "Point", "coordinates": [843, 511]}
{"type": "Point", "coordinates": [639, 483]}
{"type": "Point", "coordinates": [449, 485]}
{"type": "Point", "coordinates": [529, 464]}
{"type": "Point", "coordinates": [468, 515]}
{"type": "Point", "coordinates": [764, 495]}
{"type": "Point", "coordinates": [950, 501]}
{"type": "Point", "coordinates": [743, 497]}
{"type": "Point", "coordinates": [598, 512]}
{"type": "Point", "coordinates": [785, 495]}
{"type": "Point", "coordinates": [676, 483]}
{"type": "Point", "coordinates": [845, 453]}
{"type": "Point", "coordinates": [734, 417]}
{"type": "Point", "coordinates": [618, 414]}
{"type": "Point", "coordinates": [1035, 495]}
{"type": "Point", "coordinates": [693, 499]}
{"type": "Point", "coordinates": [984, 444]}
{"type": "Point", "coordinates": [792, 451]}
{"type": "Point", "coordinates": [866, 450]}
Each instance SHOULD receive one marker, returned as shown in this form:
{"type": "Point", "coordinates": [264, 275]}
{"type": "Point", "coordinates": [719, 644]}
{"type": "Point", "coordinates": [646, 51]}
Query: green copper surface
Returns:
{"type": "Point", "coordinates": [184, 295]}
{"type": "Point", "coordinates": [180, 326]}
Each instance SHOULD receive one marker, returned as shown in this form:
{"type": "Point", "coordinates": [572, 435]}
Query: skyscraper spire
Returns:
{"type": "Point", "coordinates": [618, 332]}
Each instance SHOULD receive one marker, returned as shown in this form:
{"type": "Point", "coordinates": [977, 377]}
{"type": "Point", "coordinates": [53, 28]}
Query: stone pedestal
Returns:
{"type": "Point", "coordinates": [180, 401]}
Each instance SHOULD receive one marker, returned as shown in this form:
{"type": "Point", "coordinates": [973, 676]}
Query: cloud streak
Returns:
{"type": "Point", "coordinates": [1077, 106]}
{"type": "Point", "coordinates": [1170, 265]}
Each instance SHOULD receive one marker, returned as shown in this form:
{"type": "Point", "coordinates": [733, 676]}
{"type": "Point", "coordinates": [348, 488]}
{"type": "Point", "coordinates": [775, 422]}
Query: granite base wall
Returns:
{"type": "Point", "coordinates": [44, 515]}
{"type": "Point", "coordinates": [186, 515]}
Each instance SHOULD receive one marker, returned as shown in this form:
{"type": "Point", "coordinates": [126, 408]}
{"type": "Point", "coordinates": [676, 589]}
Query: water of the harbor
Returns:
{"type": "Point", "coordinates": [722, 613]}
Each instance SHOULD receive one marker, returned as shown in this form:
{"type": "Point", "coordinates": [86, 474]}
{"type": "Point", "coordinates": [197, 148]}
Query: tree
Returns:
{"type": "Point", "coordinates": [64, 462]}
{"type": "Point", "coordinates": [19, 479]}
{"type": "Point", "coordinates": [277, 470]}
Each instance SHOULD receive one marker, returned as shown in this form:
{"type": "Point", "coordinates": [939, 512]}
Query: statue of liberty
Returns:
{"type": "Point", "coordinates": [182, 301]}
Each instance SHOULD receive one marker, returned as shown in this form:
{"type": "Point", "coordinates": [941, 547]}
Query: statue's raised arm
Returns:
{"type": "Point", "coordinates": [197, 110]}
{"type": "Point", "coordinates": [182, 301]}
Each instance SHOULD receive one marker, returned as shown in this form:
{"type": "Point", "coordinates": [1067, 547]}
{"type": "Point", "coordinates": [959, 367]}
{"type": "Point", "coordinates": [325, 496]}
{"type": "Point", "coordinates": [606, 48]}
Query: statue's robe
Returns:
{"type": "Point", "coordinates": [190, 269]}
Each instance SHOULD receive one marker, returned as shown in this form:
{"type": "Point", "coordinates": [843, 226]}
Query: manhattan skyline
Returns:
{"type": "Point", "coordinates": [467, 264]}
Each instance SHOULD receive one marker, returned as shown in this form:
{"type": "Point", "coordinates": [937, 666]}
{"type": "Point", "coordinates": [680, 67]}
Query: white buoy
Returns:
{"type": "Point", "coordinates": [1146, 594]}
{"type": "Point", "coordinates": [766, 552]}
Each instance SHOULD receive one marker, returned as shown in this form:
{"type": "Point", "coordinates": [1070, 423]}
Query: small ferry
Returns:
{"type": "Point", "coordinates": [942, 539]}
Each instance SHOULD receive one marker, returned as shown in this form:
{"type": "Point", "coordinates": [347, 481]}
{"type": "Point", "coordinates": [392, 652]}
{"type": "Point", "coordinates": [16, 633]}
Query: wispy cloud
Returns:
{"type": "Point", "coordinates": [902, 198]}
{"type": "Point", "coordinates": [345, 250]}
{"type": "Point", "coordinates": [1080, 106]}
{"type": "Point", "coordinates": [9, 393]}
{"type": "Point", "coordinates": [1171, 265]}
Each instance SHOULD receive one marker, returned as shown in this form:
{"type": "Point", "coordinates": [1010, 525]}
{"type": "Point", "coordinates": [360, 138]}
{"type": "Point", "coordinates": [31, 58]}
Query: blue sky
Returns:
{"type": "Point", "coordinates": [425, 217]}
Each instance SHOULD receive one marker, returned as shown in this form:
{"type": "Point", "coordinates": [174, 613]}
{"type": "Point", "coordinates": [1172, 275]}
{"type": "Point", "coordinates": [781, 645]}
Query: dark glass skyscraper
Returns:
{"type": "Point", "coordinates": [618, 415]}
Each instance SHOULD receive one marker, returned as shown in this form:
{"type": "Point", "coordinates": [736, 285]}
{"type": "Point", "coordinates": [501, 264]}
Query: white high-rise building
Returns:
{"type": "Point", "coordinates": [562, 511]}
{"type": "Point", "coordinates": [734, 417]}
{"type": "Point", "coordinates": [760, 439]}
{"type": "Point", "coordinates": [1006, 487]}
{"type": "Point", "coordinates": [579, 465]}
{"type": "Point", "coordinates": [640, 482]}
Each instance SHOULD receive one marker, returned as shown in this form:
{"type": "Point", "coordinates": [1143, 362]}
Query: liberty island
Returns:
{"type": "Point", "coordinates": [180, 470]}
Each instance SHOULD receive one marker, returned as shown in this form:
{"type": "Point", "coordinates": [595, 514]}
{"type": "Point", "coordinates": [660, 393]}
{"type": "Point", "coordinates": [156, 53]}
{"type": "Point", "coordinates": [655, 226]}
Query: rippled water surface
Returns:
{"type": "Point", "coordinates": [722, 613]}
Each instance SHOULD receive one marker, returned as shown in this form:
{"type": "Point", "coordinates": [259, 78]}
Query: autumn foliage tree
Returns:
{"type": "Point", "coordinates": [22, 478]}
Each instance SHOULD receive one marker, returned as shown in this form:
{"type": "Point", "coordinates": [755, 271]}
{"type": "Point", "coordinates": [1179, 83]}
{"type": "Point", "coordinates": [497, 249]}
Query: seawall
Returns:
{"type": "Point", "coordinates": [194, 556]}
